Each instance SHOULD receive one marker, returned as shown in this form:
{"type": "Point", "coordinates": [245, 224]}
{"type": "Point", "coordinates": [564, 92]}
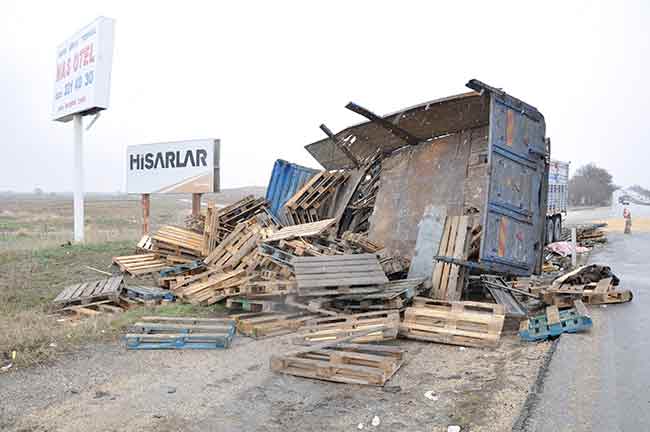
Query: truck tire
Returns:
{"type": "Point", "coordinates": [550, 228]}
{"type": "Point", "coordinates": [557, 228]}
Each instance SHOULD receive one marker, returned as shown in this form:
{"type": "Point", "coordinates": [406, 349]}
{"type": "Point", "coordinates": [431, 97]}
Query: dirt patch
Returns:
{"type": "Point", "coordinates": [227, 390]}
{"type": "Point", "coordinates": [638, 225]}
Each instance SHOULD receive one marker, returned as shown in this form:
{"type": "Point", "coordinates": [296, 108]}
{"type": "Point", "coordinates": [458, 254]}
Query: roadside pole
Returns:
{"type": "Point", "coordinates": [145, 213]}
{"type": "Point", "coordinates": [574, 245]}
{"type": "Point", "coordinates": [78, 179]}
{"type": "Point", "coordinates": [196, 204]}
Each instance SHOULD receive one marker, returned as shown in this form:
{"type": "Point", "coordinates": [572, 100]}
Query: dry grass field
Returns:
{"type": "Point", "coordinates": [37, 262]}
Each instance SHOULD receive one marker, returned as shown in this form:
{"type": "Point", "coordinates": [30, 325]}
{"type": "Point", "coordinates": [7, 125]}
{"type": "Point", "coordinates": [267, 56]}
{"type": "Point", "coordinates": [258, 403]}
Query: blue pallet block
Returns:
{"type": "Point", "coordinates": [149, 293]}
{"type": "Point", "coordinates": [555, 322]}
{"type": "Point", "coordinates": [181, 268]}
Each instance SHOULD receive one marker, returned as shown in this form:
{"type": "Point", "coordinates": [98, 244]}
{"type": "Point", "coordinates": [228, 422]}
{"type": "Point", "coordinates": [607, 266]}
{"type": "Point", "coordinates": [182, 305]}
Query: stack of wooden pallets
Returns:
{"type": "Point", "coordinates": [211, 286]}
{"type": "Point", "coordinates": [177, 242]}
{"type": "Point", "coordinates": [141, 264]}
{"type": "Point", "coordinates": [596, 293]}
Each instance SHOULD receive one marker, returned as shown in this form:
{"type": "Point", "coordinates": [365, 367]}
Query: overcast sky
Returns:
{"type": "Point", "coordinates": [262, 76]}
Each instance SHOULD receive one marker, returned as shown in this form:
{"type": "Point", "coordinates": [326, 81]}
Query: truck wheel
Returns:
{"type": "Point", "coordinates": [557, 228]}
{"type": "Point", "coordinates": [549, 230]}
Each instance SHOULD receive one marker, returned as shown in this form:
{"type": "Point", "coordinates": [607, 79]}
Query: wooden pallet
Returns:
{"type": "Point", "coordinates": [94, 308]}
{"type": "Point", "coordinates": [311, 202]}
{"type": "Point", "coordinates": [331, 275]}
{"type": "Point", "coordinates": [394, 264]}
{"type": "Point", "coordinates": [255, 305]}
{"type": "Point", "coordinates": [263, 288]}
{"type": "Point", "coordinates": [90, 292]}
{"type": "Point", "coordinates": [335, 328]}
{"type": "Point", "coordinates": [554, 322]}
{"type": "Point", "coordinates": [180, 333]}
{"type": "Point", "coordinates": [457, 323]}
{"type": "Point", "coordinates": [211, 286]}
{"type": "Point", "coordinates": [445, 280]}
{"type": "Point", "coordinates": [145, 244]}
{"type": "Point", "coordinates": [171, 240]}
{"type": "Point", "coordinates": [345, 363]}
{"type": "Point", "coordinates": [361, 242]}
{"type": "Point", "coordinates": [602, 292]}
{"type": "Point", "coordinates": [302, 230]}
{"type": "Point", "coordinates": [237, 245]}
{"type": "Point", "coordinates": [227, 218]}
{"type": "Point", "coordinates": [141, 264]}
{"type": "Point", "coordinates": [395, 295]}
{"type": "Point", "coordinates": [147, 294]}
{"type": "Point", "coordinates": [264, 325]}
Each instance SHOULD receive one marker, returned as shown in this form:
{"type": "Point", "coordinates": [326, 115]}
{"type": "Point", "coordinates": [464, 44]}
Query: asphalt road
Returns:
{"type": "Point", "coordinates": [600, 381]}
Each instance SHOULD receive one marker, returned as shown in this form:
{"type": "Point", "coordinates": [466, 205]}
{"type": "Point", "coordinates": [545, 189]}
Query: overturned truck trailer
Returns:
{"type": "Point", "coordinates": [482, 153]}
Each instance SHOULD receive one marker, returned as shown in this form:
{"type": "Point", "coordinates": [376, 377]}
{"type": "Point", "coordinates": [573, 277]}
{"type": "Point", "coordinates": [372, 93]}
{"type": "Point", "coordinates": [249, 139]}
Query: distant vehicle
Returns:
{"type": "Point", "coordinates": [558, 198]}
{"type": "Point", "coordinates": [624, 200]}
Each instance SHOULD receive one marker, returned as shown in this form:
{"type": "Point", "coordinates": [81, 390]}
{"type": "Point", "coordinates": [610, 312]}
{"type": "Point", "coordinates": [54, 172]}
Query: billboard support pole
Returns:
{"type": "Point", "coordinates": [78, 179]}
{"type": "Point", "coordinates": [145, 214]}
{"type": "Point", "coordinates": [196, 204]}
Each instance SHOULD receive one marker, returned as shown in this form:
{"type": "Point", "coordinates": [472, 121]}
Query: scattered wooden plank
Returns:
{"type": "Point", "coordinates": [447, 279]}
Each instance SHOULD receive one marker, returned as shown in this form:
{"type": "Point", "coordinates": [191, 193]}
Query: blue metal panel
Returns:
{"type": "Point", "coordinates": [514, 217]}
{"type": "Point", "coordinates": [285, 181]}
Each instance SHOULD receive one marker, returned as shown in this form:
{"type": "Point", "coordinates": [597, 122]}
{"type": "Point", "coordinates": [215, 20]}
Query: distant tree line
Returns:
{"type": "Point", "coordinates": [640, 190]}
{"type": "Point", "coordinates": [591, 186]}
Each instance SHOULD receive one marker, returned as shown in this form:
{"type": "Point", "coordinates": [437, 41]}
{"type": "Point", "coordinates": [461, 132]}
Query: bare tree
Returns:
{"type": "Point", "coordinates": [591, 185]}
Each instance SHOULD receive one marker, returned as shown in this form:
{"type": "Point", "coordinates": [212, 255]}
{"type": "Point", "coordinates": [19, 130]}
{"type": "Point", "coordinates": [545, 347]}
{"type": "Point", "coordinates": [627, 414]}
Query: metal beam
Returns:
{"type": "Point", "coordinates": [390, 127]}
{"type": "Point", "coordinates": [341, 145]}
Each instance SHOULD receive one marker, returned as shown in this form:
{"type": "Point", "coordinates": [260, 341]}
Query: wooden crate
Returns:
{"type": "Point", "coordinates": [447, 279]}
{"type": "Point", "coordinates": [90, 292]}
{"type": "Point", "coordinates": [331, 275]}
{"type": "Point", "coordinates": [345, 363]}
{"type": "Point", "coordinates": [141, 264]}
{"type": "Point", "coordinates": [330, 329]}
{"type": "Point", "coordinates": [458, 323]}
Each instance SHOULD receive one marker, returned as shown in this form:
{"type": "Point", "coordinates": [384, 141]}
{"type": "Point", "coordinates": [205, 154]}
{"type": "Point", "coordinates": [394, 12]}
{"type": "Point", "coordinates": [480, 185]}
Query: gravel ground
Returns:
{"type": "Point", "coordinates": [106, 388]}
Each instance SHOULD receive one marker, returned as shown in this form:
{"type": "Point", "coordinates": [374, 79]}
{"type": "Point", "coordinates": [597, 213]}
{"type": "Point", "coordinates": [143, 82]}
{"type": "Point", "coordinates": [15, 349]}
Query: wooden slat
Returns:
{"type": "Point", "coordinates": [303, 230]}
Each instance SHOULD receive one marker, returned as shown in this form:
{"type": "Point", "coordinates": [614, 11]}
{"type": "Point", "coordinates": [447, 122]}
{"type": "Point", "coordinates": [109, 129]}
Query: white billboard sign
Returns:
{"type": "Point", "coordinates": [83, 71]}
{"type": "Point", "coordinates": [173, 167]}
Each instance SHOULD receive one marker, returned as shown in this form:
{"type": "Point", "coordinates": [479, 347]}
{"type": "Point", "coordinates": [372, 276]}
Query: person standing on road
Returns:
{"type": "Point", "coordinates": [627, 215]}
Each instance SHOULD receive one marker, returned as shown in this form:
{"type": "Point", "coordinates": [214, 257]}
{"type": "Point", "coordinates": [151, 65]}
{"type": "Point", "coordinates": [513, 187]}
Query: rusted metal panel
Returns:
{"type": "Point", "coordinates": [413, 180]}
{"type": "Point", "coordinates": [514, 214]}
{"type": "Point", "coordinates": [426, 121]}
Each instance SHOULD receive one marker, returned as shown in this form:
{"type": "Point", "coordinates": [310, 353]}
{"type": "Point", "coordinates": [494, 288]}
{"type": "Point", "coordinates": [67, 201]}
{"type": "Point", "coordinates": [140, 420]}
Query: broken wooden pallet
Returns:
{"type": "Point", "coordinates": [457, 323]}
{"type": "Point", "coordinates": [180, 333]}
{"type": "Point", "coordinates": [141, 264]}
{"type": "Point", "coordinates": [345, 363]}
{"type": "Point", "coordinates": [310, 203]}
{"type": "Point", "coordinates": [341, 326]}
{"type": "Point", "coordinates": [447, 279]}
{"type": "Point", "coordinates": [90, 292]}
{"type": "Point", "coordinates": [171, 240]}
{"type": "Point", "coordinates": [602, 292]}
{"type": "Point", "coordinates": [554, 322]}
{"type": "Point", "coordinates": [261, 325]}
{"type": "Point", "coordinates": [302, 230]}
{"type": "Point", "coordinates": [331, 275]}
{"type": "Point", "coordinates": [94, 308]}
